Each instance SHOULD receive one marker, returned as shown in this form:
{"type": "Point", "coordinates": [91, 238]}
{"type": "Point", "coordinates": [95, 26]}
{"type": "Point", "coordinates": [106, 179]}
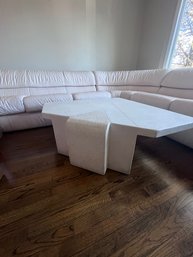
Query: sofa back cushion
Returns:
{"type": "Point", "coordinates": [31, 82]}
{"type": "Point", "coordinates": [13, 83]}
{"type": "Point", "coordinates": [79, 81]}
{"type": "Point", "coordinates": [179, 78]}
{"type": "Point", "coordinates": [178, 83]}
{"type": "Point", "coordinates": [144, 80]}
{"type": "Point", "coordinates": [147, 77]}
{"type": "Point", "coordinates": [12, 79]}
{"type": "Point", "coordinates": [44, 82]}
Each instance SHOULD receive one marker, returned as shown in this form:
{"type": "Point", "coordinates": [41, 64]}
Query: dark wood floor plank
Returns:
{"type": "Point", "coordinates": [148, 236]}
{"type": "Point", "coordinates": [51, 208]}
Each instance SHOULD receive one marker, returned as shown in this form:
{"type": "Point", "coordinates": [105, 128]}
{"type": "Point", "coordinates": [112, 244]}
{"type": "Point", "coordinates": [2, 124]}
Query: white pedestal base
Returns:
{"type": "Point", "coordinates": [102, 134]}
{"type": "Point", "coordinates": [87, 139]}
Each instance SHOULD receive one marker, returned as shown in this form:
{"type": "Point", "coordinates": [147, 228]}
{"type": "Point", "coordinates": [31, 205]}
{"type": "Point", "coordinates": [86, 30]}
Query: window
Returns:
{"type": "Point", "coordinates": [182, 54]}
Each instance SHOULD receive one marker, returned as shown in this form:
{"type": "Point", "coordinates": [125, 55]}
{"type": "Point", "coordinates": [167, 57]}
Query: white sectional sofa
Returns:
{"type": "Point", "coordinates": [23, 93]}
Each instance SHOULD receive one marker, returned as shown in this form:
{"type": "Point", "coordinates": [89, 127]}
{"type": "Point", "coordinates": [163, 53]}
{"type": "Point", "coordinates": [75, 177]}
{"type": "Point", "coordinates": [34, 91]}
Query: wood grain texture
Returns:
{"type": "Point", "coordinates": [49, 208]}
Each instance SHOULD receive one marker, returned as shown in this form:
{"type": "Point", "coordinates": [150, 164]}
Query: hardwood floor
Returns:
{"type": "Point", "coordinates": [49, 208]}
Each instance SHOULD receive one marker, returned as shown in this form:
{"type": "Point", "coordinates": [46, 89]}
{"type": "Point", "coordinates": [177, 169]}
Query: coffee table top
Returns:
{"type": "Point", "coordinates": [147, 120]}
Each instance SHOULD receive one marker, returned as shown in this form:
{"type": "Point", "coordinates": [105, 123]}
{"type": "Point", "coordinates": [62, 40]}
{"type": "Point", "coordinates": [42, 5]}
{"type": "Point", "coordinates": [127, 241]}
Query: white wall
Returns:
{"type": "Point", "coordinates": [118, 26]}
{"type": "Point", "coordinates": [70, 34]}
{"type": "Point", "coordinates": [157, 25]}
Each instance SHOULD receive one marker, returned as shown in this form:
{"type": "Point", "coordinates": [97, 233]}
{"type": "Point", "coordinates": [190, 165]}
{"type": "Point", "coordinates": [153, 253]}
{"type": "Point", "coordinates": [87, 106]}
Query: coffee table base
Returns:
{"type": "Point", "coordinates": [87, 140]}
{"type": "Point", "coordinates": [95, 144]}
{"type": "Point", "coordinates": [97, 135]}
{"type": "Point", "coordinates": [122, 141]}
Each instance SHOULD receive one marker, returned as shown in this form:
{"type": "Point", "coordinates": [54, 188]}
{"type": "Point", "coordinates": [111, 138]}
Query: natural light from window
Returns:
{"type": "Point", "coordinates": [183, 51]}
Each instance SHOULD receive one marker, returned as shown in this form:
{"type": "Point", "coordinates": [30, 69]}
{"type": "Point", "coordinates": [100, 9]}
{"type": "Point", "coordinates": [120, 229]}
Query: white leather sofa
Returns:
{"type": "Point", "coordinates": [23, 93]}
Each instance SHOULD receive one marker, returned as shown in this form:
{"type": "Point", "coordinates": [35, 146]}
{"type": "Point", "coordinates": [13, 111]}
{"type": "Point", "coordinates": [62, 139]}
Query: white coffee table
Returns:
{"type": "Point", "coordinates": [101, 134]}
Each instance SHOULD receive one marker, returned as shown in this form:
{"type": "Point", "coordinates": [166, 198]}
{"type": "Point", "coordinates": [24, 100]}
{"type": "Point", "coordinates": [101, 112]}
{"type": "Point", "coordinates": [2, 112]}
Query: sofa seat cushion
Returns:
{"type": "Point", "coordinates": [91, 95]}
{"type": "Point", "coordinates": [156, 100]}
{"type": "Point", "coordinates": [183, 106]}
{"type": "Point", "coordinates": [11, 105]}
{"type": "Point", "coordinates": [116, 93]}
{"type": "Point", "coordinates": [127, 94]}
{"type": "Point", "coordinates": [35, 103]}
{"type": "Point", "coordinates": [176, 92]}
{"type": "Point", "coordinates": [23, 121]}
